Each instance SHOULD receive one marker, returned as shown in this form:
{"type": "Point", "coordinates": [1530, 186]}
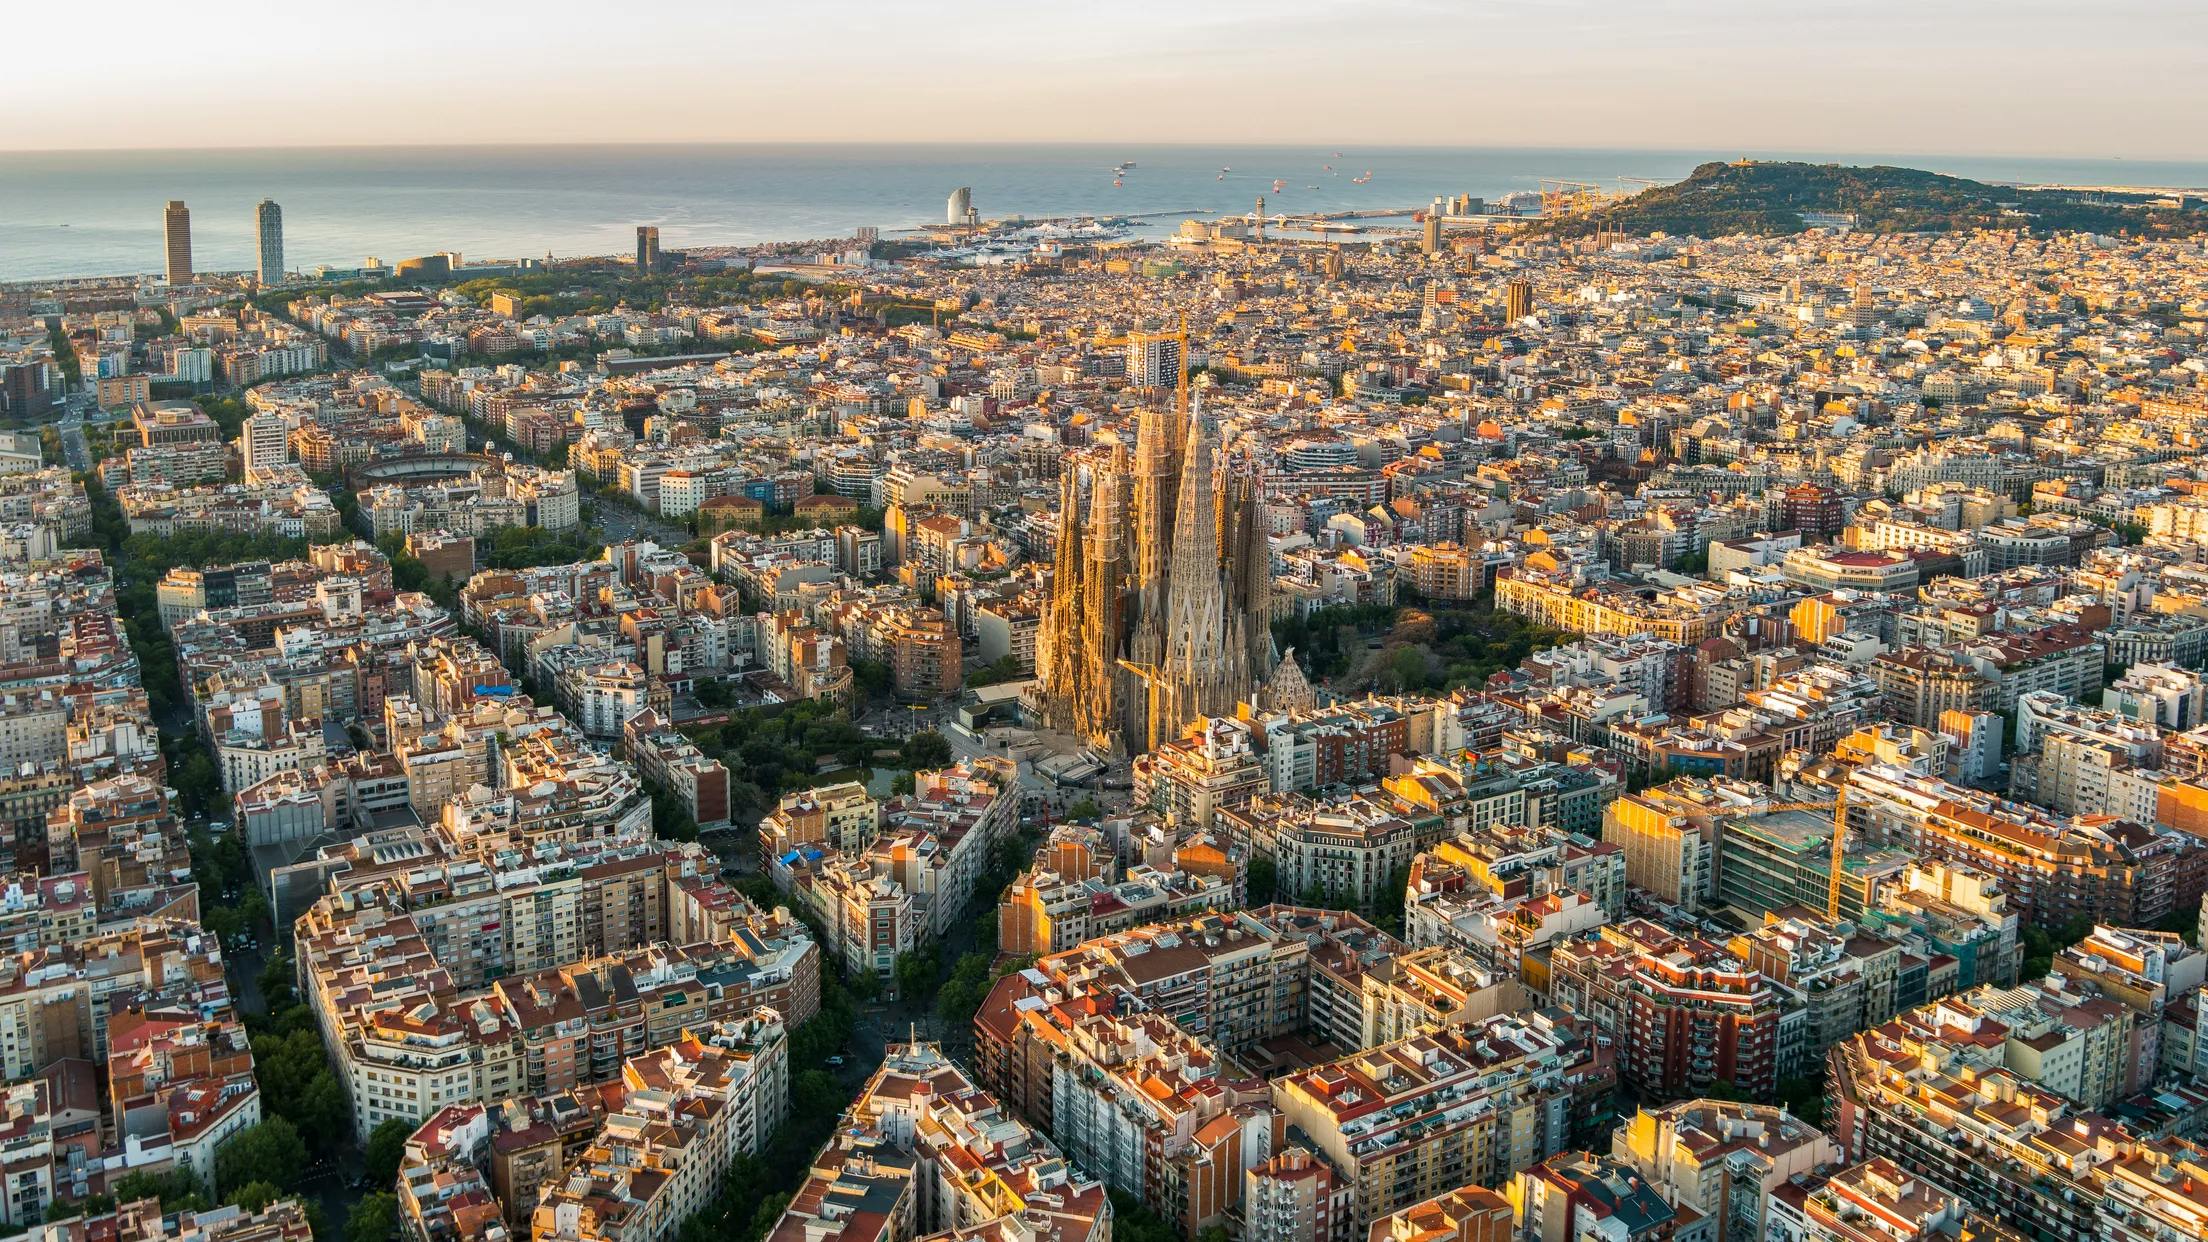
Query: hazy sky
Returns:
{"type": "Point", "coordinates": [2080, 77]}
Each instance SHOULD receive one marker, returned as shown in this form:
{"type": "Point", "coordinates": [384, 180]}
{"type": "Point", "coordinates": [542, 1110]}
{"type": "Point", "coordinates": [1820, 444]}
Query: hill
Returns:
{"type": "Point", "coordinates": [1768, 198]}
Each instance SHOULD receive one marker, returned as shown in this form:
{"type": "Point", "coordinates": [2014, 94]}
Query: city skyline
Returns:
{"type": "Point", "coordinates": [1697, 73]}
{"type": "Point", "coordinates": [1392, 621]}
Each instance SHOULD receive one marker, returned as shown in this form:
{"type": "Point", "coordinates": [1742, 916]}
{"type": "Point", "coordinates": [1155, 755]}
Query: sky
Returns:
{"type": "Point", "coordinates": [2010, 77]}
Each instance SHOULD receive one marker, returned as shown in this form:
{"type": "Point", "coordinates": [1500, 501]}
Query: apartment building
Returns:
{"type": "Point", "coordinates": [670, 761]}
{"type": "Point", "coordinates": [1406, 1121]}
{"type": "Point", "coordinates": [1847, 980]}
{"type": "Point", "coordinates": [1576, 1195]}
{"type": "Point", "coordinates": [1190, 779]}
{"type": "Point", "coordinates": [401, 998]}
{"type": "Point", "coordinates": [1943, 1106]}
{"type": "Point", "coordinates": [1351, 849]}
{"type": "Point", "coordinates": [1466, 1214]}
{"type": "Point", "coordinates": [842, 817]}
{"type": "Point", "coordinates": [685, 1112]}
{"type": "Point", "coordinates": [915, 877]}
{"type": "Point", "coordinates": [1670, 832]}
{"type": "Point", "coordinates": [1076, 892]}
{"type": "Point", "coordinates": [1294, 1197]}
{"type": "Point", "coordinates": [1726, 1160]}
{"type": "Point", "coordinates": [2079, 761]}
{"type": "Point", "coordinates": [1875, 1201]}
{"type": "Point", "coordinates": [923, 1152]}
{"type": "Point", "coordinates": [2053, 869]}
{"type": "Point", "coordinates": [1684, 1013]}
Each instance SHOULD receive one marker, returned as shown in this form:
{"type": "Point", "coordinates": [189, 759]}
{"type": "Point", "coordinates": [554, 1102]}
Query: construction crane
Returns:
{"type": "Point", "coordinates": [1562, 198]}
{"type": "Point", "coordinates": [1839, 808]}
{"type": "Point", "coordinates": [1150, 675]}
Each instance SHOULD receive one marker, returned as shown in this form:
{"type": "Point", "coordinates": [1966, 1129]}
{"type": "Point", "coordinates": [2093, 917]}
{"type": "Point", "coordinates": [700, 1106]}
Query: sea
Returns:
{"type": "Point", "coordinates": [99, 213]}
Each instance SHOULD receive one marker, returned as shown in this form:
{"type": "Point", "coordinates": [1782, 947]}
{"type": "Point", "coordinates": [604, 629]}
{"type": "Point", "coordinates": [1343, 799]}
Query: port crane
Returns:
{"type": "Point", "coordinates": [1565, 198]}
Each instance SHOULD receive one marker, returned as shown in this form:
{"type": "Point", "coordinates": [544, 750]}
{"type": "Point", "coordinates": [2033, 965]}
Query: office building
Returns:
{"type": "Point", "coordinates": [647, 247]}
{"type": "Point", "coordinates": [176, 231]}
{"type": "Point", "coordinates": [268, 219]}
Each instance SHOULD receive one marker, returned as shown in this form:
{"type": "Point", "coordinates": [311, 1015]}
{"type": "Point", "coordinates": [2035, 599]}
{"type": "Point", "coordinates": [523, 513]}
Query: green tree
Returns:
{"type": "Point", "coordinates": [872, 678]}
{"type": "Point", "coordinates": [1006, 668]}
{"type": "Point", "coordinates": [374, 1219]}
{"type": "Point", "coordinates": [198, 783]}
{"type": "Point", "coordinates": [671, 820]}
{"type": "Point", "coordinates": [178, 1190]}
{"type": "Point", "coordinates": [252, 1197]}
{"type": "Point", "coordinates": [1804, 1096]}
{"type": "Point", "coordinates": [270, 1152]}
{"type": "Point", "coordinates": [70, 1209]}
{"type": "Point", "coordinates": [960, 996]}
{"type": "Point", "coordinates": [916, 972]}
{"type": "Point", "coordinates": [386, 1147]}
{"type": "Point", "coordinates": [925, 751]}
{"type": "Point", "coordinates": [1085, 810]}
{"type": "Point", "coordinates": [1262, 880]}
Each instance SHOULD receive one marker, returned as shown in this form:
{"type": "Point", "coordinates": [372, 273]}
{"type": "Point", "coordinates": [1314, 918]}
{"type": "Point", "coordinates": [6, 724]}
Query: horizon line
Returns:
{"type": "Point", "coordinates": [1802, 154]}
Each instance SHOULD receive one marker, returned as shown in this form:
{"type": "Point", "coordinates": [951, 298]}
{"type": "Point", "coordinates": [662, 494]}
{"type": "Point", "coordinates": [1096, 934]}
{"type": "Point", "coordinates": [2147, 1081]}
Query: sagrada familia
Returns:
{"type": "Point", "coordinates": [1160, 608]}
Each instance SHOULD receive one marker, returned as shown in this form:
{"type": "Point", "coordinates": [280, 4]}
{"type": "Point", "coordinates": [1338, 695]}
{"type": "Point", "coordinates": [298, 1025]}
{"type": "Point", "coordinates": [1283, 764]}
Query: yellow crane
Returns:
{"type": "Point", "coordinates": [1150, 675]}
{"type": "Point", "coordinates": [1839, 808]}
{"type": "Point", "coordinates": [1561, 198]}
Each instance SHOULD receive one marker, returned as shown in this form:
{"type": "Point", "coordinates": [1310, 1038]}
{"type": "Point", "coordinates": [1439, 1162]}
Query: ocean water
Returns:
{"type": "Point", "coordinates": [99, 212]}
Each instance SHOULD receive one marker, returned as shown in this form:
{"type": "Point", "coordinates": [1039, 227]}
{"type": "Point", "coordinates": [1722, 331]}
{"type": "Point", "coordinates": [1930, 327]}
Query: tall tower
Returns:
{"type": "Point", "coordinates": [176, 230]}
{"type": "Point", "coordinates": [1261, 217]}
{"type": "Point", "coordinates": [1517, 300]}
{"type": "Point", "coordinates": [961, 206]}
{"type": "Point", "coordinates": [1079, 643]}
{"type": "Point", "coordinates": [1430, 235]}
{"type": "Point", "coordinates": [1058, 644]}
{"type": "Point", "coordinates": [1157, 475]}
{"type": "Point", "coordinates": [1190, 675]}
{"type": "Point", "coordinates": [268, 220]}
{"type": "Point", "coordinates": [1159, 437]}
{"type": "Point", "coordinates": [1103, 601]}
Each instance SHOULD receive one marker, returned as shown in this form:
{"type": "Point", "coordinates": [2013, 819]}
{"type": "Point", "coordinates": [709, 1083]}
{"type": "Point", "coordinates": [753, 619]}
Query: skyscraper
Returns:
{"type": "Point", "coordinates": [1430, 235]}
{"type": "Point", "coordinates": [961, 206]}
{"type": "Point", "coordinates": [647, 247]}
{"type": "Point", "coordinates": [270, 218]}
{"type": "Point", "coordinates": [1517, 300]}
{"type": "Point", "coordinates": [176, 228]}
{"type": "Point", "coordinates": [1153, 359]}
